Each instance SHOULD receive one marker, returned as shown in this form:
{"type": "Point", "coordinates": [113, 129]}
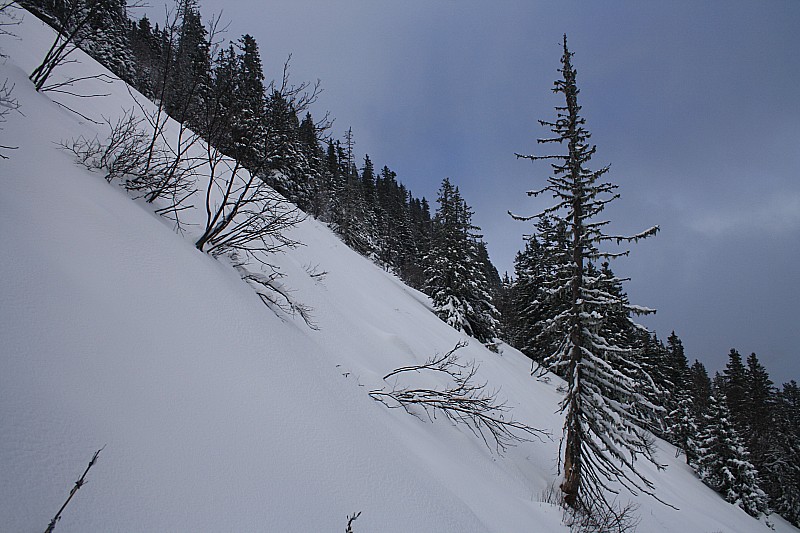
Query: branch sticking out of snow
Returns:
{"type": "Point", "coordinates": [463, 402]}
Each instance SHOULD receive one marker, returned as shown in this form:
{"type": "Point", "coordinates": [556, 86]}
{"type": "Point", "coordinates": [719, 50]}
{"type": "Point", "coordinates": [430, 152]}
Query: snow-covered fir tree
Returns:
{"type": "Point", "coordinates": [734, 386]}
{"type": "Point", "coordinates": [288, 169]}
{"type": "Point", "coordinates": [534, 302]}
{"type": "Point", "coordinates": [700, 388]}
{"type": "Point", "coordinates": [681, 426]}
{"type": "Point", "coordinates": [248, 127]}
{"type": "Point", "coordinates": [189, 70]}
{"type": "Point", "coordinates": [723, 462]}
{"type": "Point", "coordinates": [602, 436]}
{"type": "Point", "coordinates": [456, 281]}
{"type": "Point", "coordinates": [308, 137]}
{"type": "Point", "coordinates": [781, 462]}
{"type": "Point", "coordinates": [351, 217]}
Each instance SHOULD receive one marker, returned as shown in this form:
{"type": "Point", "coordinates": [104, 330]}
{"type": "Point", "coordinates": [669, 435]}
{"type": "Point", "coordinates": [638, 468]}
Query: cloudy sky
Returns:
{"type": "Point", "coordinates": [694, 104]}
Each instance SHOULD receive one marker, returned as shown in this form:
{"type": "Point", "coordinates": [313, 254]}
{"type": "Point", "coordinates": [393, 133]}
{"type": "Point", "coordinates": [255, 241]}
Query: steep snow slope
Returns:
{"type": "Point", "coordinates": [217, 414]}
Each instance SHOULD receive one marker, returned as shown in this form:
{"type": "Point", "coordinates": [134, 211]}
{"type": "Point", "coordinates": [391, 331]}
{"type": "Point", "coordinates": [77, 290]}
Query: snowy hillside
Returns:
{"type": "Point", "coordinates": [215, 413]}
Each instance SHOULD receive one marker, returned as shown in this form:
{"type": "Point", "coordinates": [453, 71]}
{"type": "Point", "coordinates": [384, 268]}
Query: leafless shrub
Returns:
{"type": "Point", "coordinates": [593, 517]}
{"type": "Point", "coordinates": [122, 155]}
{"type": "Point", "coordinates": [601, 518]}
{"type": "Point", "coordinates": [243, 214]}
{"type": "Point", "coordinates": [300, 96]}
{"type": "Point", "coordinates": [272, 291]}
{"type": "Point", "coordinates": [143, 164]}
{"type": "Point", "coordinates": [464, 402]}
{"type": "Point", "coordinates": [7, 104]}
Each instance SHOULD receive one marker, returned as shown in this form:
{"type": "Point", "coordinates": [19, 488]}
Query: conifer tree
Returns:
{"type": "Point", "coordinates": [535, 305]}
{"type": "Point", "coordinates": [398, 249]}
{"type": "Point", "coordinates": [145, 45]}
{"type": "Point", "coordinates": [308, 137]}
{"type": "Point", "coordinates": [723, 461]}
{"type": "Point", "coordinates": [781, 463]}
{"type": "Point", "coordinates": [190, 69]}
{"type": "Point", "coordinates": [602, 436]}
{"type": "Point", "coordinates": [351, 216]}
{"type": "Point", "coordinates": [248, 125]}
{"type": "Point", "coordinates": [676, 369]}
{"type": "Point", "coordinates": [289, 171]}
{"type": "Point", "coordinates": [760, 410]}
{"type": "Point", "coordinates": [420, 225]}
{"type": "Point", "coordinates": [105, 37]}
{"type": "Point", "coordinates": [734, 386]}
{"type": "Point", "coordinates": [674, 380]}
{"type": "Point", "coordinates": [456, 281]}
{"type": "Point", "coordinates": [700, 388]}
{"type": "Point", "coordinates": [682, 426]}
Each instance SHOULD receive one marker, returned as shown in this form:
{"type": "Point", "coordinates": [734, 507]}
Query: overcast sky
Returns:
{"type": "Point", "coordinates": [694, 105]}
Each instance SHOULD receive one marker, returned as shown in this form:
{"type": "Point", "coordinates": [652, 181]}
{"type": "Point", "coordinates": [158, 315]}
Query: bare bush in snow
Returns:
{"type": "Point", "coordinates": [141, 162]}
{"type": "Point", "coordinates": [598, 517]}
{"type": "Point", "coordinates": [7, 104]}
{"type": "Point", "coordinates": [463, 401]}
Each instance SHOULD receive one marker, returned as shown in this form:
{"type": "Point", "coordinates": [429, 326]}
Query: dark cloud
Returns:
{"type": "Point", "coordinates": [693, 103]}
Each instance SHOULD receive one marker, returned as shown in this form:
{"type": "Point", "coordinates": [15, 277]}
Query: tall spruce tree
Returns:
{"type": "Point", "coordinates": [781, 466]}
{"type": "Point", "coordinates": [734, 386]}
{"type": "Point", "coordinates": [189, 75]}
{"type": "Point", "coordinates": [535, 305]}
{"type": "Point", "coordinates": [760, 411]}
{"type": "Point", "coordinates": [700, 388]}
{"type": "Point", "coordinates": [248, 125]}
{"type": "Point", "coordinates": [456, 280]}
{"type": "Point", "coordinates": [723, 462]}
{"type": "Point", "coordinates": [682, 426]}
{"type": "Point", "coordinates": [677, 398]}
{"type": "Point", "coordinates": [602, 432]}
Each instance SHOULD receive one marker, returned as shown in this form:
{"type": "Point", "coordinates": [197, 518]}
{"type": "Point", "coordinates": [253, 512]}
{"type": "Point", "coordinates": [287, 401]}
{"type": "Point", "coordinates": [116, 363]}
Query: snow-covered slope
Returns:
{"type": "Point", "coordinates": [217, 414]}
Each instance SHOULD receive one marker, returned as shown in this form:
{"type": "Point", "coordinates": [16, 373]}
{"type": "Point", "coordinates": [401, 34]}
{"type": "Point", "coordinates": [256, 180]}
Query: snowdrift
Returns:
{"type": "Point", "coordinates": [215, 413]}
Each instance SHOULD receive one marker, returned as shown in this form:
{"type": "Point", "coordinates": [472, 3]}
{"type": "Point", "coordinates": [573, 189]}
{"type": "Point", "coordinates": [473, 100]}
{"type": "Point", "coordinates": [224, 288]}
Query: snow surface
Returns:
{"type": "Point", "coordinates": [217, 414]}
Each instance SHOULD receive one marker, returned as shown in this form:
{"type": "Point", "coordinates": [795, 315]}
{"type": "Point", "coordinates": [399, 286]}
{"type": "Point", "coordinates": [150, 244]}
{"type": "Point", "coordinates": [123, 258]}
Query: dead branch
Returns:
{"type": "Point", "coordinates": [70, 82]}
{"type": "Point", "coordinates": [7, 104]}
{"type": "Point", "coordinates": [273, 293]}
{"type": "Point", "coordinates": [78, 484]}
{"type": "Point", "coordinates": [350, 519]}
{"type": "Point", "coordinates": [9, 17]}
{"type": "Point", "coordinates": [463, 402]}
{"type": "Point", "coordinates": [301, 96]}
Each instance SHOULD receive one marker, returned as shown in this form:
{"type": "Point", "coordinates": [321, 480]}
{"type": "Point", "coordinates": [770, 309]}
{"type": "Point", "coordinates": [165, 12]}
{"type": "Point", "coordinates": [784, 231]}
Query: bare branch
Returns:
{"type": "Point", "coordinates": [7, 104]}
{"type": "Point", "coordinates": [463, 402]}
{"type": "Point", "coordinates": [148, 169]}
{"type": "Point", "coordinates": [350, 519]}
{"type": "Point", "coordinates": [78, 484]}
{"type": "Point", "coordinates": [272, 292]}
